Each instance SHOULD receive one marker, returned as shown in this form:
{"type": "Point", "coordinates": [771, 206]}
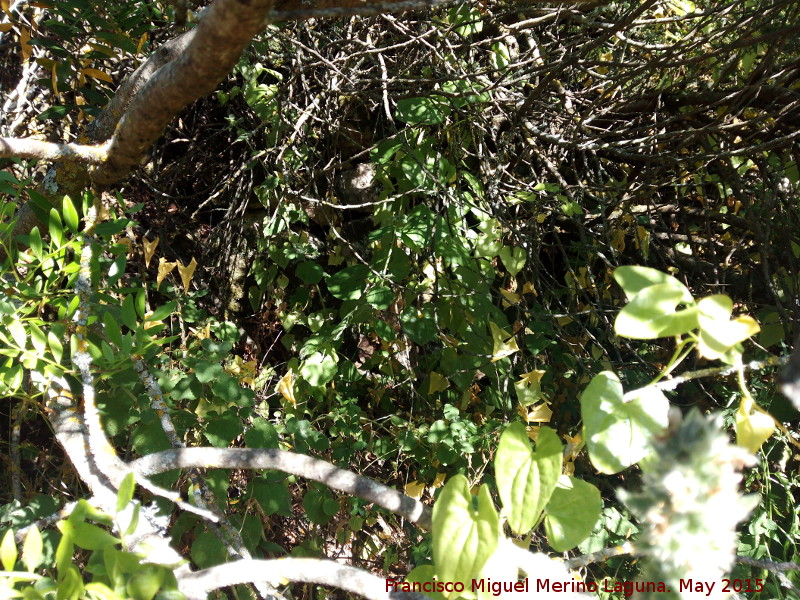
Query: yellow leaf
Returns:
{"type": "Point", "coordinates": [286, 387]}
{"type": "Point", "coordinates": [503, 343]}
{"type": "Point", "coordinates": [141, 43]}
{"type": "Point", "coordinates": [438, 383]}
{"type": "Point", "coordinates": [415, 489]}
{"type": "Point", "coordinates": [164, 269]}
{"type": "Point", "coordinates": [6, 27]}
{"type": "Point", "coordinates": [149, 249]}
{"type": "Point", "coordinates": [509, 298]}
{"type": "Point", "coordinates": [186, 273]}
{"type": "Point", "coordinates": [24, 47]}
{"type": "Point", "coordinates": [529, 289]}
{"type": "Point", "coordinates": [753, 425]}
{"type": "Point", "coordinates": [97, 74]}
{"type": "Point", "coordinates": [541, 413]}
{"type": "Point", "coordinates": [528, 388]}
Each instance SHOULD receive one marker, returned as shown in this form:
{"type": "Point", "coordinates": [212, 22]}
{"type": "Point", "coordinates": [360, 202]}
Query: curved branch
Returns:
{"type": "Point", "coordinates": [28, 148]}
{"type": "Point", "coordinates": [303, 570]}
{"type": "Point", "coordinates": [288, 462]}
{"type": "Point", "coordinates": [208, 57]}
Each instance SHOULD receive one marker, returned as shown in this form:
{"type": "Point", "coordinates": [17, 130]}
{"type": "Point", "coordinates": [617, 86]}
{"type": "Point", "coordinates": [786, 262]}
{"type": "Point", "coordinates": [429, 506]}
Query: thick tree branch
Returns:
{"type": "Point", "coordinates": [211, 53]}
{"type": "Point", "coordinates": [28, 148]}
{"type": "Point", "coordinates": [288, 462]}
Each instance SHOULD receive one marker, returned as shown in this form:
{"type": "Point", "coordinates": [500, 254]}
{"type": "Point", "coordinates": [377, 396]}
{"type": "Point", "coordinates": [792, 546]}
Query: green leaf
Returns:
{"type": "Point", "coordinates": [348, 284]}
{"type": "Point", "coordinates": [112, 329]}
{"type": "Point", "coordinates": [424, 574]}
{"type": "Point", "coordinates": [572, 512]}
{"type": "Point", "coordinates": [70, 584]}
{"type": "Point", "coordinates": [8, 551]}
{"type": "Point", "coordinates": [320, 505]}
{"type": "Point", "coordinates": [489, 242]}
{"type": "Point", "coordinates": [526, 479]}
{"type": "Point", "coordinates": [274, 498]}
{"type": "Point", "coordinates": [262, 434]}
{"type": "Point", "coordinates": [718, 333]}
{"type": "Point", "coordinates": [428, 110]}
{"type": "Point", "coordinates": [92, 537]}
{"type": "Point", "coordinates": [467, 20]}
{"type": "Point", "coordinates": [309, 272]}
{"type": "Point", "coordinates": [513, 260]}
{"type": "Point", "coordinates": [466, 531]}
{"type": "Point", "coordinates": [17, 331]}
{"type": "Point", "coordinates": [145, 583]}
{"type": "Point", "coordinates": [207, 551]}
{"type": "Point", "coordinates": [128, 313]}
{"type": "Point", "coordinates": [32, 548]}
{"type": "Point", "coordinates": [55, 227]}
{"type": "Point", "coordinates": [38, 338]}
{"type": "Point", "coordinates": [70, 214]}
{"type": "Point", "coordinates": [35, 242]}
{"type": "Point", "coordinates": [652, 314]}
{"type": "Point", "coordinates": [618, 432]}
{"type": "Point", "coordinates": [163, 311]}
{"type": "Point", "coordinates": [420, 325]}
{"type": "Point", "coordinates": [380, 297]}
{"type": "Point", "coordinates": [125, 492]}
{"type": "Point", "coordinates": [318, 369]}
{"type": "Point", "coordinates": [634, 279]}
{"type": "Point", "coordinates": [207, 371]}
{"type": "Point", "coordinates": [222, 430]}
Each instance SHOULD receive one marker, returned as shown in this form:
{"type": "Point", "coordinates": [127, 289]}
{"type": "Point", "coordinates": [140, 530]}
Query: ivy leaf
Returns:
{"type": "Point", "coordinates": [318, 369]}
{"type": "Point", "coordinates": [526, 479]}
{"type": "Point", "coordinates": [422, 111]}
{"type": "Point", "coordinates": [618, 432]}
{"type": "Point", "coordinates": [718, 333]}
{"type": "Point", "coordinates": [513, 259]}
{"type": "Point", "coordinates": [753, 426]}
{"type": "Point", "coordinates": [653, 314]}
{"type": "Point", "coordinates": [572, 513]}
{"type": "Point", "coordinates": [634, 279]}
{"type": "Point", "coordinates": [528, 388]}
{"type": "Point", "coordinates": [348, 284]}
{"type": "Point", "coordinates": [503, 343]}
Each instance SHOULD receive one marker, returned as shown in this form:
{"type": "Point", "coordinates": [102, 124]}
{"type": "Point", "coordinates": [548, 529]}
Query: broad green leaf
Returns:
{"type": "Point", "coordinates": [207, 551]}
{"type": "Point", "coordinates": [718, 333]}
{"type": "Point", "coordinates": [70, 584]}
{"type": "Point", "coordinates": [32, 548]}
{"type": "Point", "coordinates": [380, 297]}
{"type": "Point", "coordinates": [309, 272]}
{"type": "Point", "coordinates": [572, 512]}
{"type": "Point", "coordinates": [92, 537]}
{"type": "Point", "coordinates": [145, 583]}
{"type": "Point", "coordinates": [420, 324]}
{"type": "Point", "coordinates": [320, 505]}
{"type": "Point", "coordinates": [274, 498]}
{"type": "Point", "coordinates": [223, 429]}
{"type": "Point", "coordinates": [70, 214]}
{"type": "Point", "coordinates": [513, 259]}
{"type": "Point", "coordinates": [618, 433]}
{"type": "Point", "coordinates": [652, 314]}
{"type": "Point", "coordinates": [429, 110]}
{"type": "Point", "coordinates": [633, 280]}
{"type": "Point", "coordinates": [466, 531]}
{"type": "Point", "coordinates": [349, 283]}
{"type": "Point", "coordinates": [526, 479]}
{"type": "Point", "coordinates": [318, 369]}
{"type": "Point", "coordinates": [503, 343]}
{"type": "Point", "coordinates": [8, 551]}
{"type": "Point", "coordinates": [422, 575]}
{"type": "Point", "coordinates": [261, 434]}
{"type": "Point", "coordinates": [489, 242]}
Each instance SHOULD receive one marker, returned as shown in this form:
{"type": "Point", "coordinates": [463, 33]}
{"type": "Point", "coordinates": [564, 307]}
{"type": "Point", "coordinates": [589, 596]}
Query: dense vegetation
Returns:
{"type": "Point", "coordinates": [385, 241]}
